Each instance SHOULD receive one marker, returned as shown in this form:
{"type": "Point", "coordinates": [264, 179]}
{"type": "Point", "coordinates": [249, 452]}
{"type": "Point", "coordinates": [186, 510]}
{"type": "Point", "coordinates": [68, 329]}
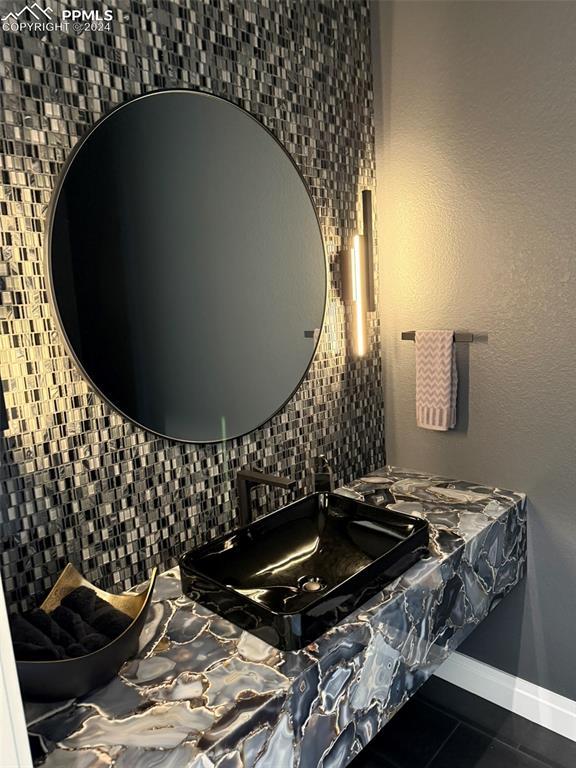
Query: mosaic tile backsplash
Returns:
{"type": "Point", "coordinates": [78, 482]}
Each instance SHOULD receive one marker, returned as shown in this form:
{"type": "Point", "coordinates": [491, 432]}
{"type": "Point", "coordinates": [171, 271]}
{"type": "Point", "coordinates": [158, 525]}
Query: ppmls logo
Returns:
{"type": "Point", "coordinates": [29, 12]}
{"type": "Point", "coordinates": [35, 18]}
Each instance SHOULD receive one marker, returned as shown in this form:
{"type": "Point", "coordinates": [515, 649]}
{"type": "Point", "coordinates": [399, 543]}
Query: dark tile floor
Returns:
{"type": "Point", "coordinates": [443, 726]}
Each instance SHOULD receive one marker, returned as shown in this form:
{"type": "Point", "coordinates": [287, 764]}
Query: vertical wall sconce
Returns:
{"type": "Point", "coordinates": [358, 271]}
{"type": "Point", "coordinates": [369, 246]}
{"type": "Point", "coordinates": [358, 277]}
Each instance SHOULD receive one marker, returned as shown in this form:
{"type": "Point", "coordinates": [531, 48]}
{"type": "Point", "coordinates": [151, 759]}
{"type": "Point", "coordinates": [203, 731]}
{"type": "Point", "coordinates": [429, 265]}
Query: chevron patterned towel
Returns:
{"type": "Point", "coordinates": [436, 380]}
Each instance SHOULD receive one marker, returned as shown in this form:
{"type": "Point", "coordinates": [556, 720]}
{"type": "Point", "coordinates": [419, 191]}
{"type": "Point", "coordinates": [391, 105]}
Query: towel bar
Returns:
{"type": "Point", "coordinates": [467, 338]}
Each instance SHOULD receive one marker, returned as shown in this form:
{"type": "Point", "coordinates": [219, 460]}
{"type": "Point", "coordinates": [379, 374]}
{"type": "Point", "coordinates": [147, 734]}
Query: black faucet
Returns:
{"type": "Point", "coordinates": [323, 477]}
{"type": "Point", "coordinates": [247, 479]}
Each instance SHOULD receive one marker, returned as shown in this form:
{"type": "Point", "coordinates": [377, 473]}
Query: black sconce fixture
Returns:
{"type": "Point", "coordinates": [368, 235]}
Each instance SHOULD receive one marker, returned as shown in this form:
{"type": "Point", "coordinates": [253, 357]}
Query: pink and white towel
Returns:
{"type": "Point", "coordinates": [436, 380]}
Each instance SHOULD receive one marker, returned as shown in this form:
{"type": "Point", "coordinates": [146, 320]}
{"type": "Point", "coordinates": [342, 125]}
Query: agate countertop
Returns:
{"type": "Point", "coordinates": [204, 693]}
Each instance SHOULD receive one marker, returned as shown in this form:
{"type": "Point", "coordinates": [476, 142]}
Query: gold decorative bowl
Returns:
{"type": "Point", "coordinates": [69, 678]}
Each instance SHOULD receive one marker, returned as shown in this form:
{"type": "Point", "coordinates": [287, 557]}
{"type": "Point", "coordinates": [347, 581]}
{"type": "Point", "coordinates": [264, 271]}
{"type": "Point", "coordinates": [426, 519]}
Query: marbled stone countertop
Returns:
{"type": "Point", "coordinates": [204, 693]}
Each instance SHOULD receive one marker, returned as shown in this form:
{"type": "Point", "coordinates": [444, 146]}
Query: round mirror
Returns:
{"type": "Point", "coordinates": [187, 266]}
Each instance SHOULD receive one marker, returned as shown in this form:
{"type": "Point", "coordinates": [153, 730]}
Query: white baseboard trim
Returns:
{"type": "Point", "coordinates": [540, 706]}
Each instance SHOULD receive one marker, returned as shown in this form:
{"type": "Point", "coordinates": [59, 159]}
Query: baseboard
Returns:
{"type": "Point", "coordinates": [540, 706]}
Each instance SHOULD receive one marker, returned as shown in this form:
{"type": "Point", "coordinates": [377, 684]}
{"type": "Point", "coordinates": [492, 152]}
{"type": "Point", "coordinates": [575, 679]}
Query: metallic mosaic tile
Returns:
{"type": "Point", "coordinates": [77, 481]}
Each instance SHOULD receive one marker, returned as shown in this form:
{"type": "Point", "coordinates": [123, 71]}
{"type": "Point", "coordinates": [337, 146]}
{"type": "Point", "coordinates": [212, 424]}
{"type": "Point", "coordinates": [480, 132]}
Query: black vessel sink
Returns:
{"type": "Point", "coordinates": [297, 572]}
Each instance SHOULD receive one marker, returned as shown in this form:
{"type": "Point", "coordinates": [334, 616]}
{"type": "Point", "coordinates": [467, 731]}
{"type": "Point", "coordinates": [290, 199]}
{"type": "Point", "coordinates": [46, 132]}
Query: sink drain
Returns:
{"type": "Point", "coordinates": [311, 584]}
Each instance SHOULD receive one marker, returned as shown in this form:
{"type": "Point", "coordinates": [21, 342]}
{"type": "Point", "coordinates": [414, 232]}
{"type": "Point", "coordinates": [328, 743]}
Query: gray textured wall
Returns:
{"type": "Point", "coordinates": [77, 481]}
{"type": "Point", "coordinates": [476, 139]}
